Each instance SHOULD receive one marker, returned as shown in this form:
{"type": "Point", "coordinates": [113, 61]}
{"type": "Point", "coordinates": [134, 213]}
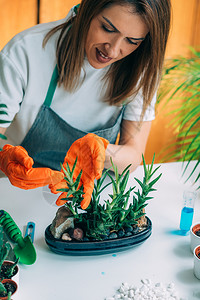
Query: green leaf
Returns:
{"type": "Point", "coordinates": [144, 166]}
{"type": "Point", "coordinates": [105, 186]}
{"type": "Point", "coordinates": [152, 164]}
{"type": "Point", "coordinates": [192, 170]}
{"type": "Point", "coordinates": [154, 171]}
{"type": "Point", "coordinates": [191, 145]}
{"type": "Point", "coordinates": [140, 183]}
{"type": "Point", "coordinates": [74, 166]}
{"type": "Point", "coordinates": [155, 180]}
{"type": "Point", "coordinates": [3, 289]}
{"type": "Point", "coordinates": [78, 179]}
{"type": "Point", "coordinates": [124, 181]}
{"type": "Point", "coordinates": [192, 113]}
{"type": "Point", "coordinates": [181, 81]}
{"type": "Point", "coordinates": [124, 171]}
{"type": "Point", "coordinates": [114, 185]}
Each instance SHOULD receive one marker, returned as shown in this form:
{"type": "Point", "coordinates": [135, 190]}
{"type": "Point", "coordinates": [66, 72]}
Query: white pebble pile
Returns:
{"type": "Point", "coordinates": [147, 290]}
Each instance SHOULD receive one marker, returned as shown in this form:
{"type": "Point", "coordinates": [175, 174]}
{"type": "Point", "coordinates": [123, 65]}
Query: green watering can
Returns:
{"type": "Point", "coordinates": [24, 250]}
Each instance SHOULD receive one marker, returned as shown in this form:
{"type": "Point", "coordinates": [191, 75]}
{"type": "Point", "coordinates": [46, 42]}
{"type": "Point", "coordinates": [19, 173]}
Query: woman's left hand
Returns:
{"type": "Point", "coordinates": [18, 167]}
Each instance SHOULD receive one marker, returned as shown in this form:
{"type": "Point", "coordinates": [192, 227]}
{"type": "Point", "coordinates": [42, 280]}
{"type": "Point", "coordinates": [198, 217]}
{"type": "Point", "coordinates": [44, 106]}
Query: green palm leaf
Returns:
{"type": "Point", "coordinates": [181, 84]}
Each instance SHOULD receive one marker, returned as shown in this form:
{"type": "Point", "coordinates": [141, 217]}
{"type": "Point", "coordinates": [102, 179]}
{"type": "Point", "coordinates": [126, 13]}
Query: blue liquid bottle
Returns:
{"type": "Point", "coordinates": [187, 211]}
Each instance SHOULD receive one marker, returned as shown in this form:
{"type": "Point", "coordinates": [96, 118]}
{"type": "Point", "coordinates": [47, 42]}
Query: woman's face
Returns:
{"type": "Point", "coordinates": [114, 34]}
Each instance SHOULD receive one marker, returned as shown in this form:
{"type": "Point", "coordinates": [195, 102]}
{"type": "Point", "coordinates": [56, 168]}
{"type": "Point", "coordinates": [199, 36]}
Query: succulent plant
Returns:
{"type": "Point", "coordinates": [4, 247]}
{"type": "Point", "coordinates": [74, 192]}
{"type": "Point", "coordinates": [116, 213]}
{"type": "Point", "coordinates": [9, 270]}
{"type": "Point", "coordinates": [3, 290]}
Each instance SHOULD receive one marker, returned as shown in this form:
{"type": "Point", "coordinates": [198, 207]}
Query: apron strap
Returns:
{"type": "Point", "coordinates": [52, 87]}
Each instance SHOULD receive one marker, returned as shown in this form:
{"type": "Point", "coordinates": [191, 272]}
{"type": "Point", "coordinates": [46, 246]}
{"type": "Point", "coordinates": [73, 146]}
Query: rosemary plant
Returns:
{"type": "Point", "coordinates": [3, 290]}
{"type": "Point", "coordinates": [4, 248]}
{"type": "Point", "coordinates": [6, 272]}
{"type": "Point", "coordinates": [74, 192]}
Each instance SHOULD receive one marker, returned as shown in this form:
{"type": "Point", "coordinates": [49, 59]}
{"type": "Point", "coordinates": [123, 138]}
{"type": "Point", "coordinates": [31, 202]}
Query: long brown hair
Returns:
{"type": "Point", "coordinates": [140, 70]}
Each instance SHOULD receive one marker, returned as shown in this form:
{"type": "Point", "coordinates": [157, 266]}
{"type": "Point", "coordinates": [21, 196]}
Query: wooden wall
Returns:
{"type": "Point", "coordinates": [17, 15]}
{"type": "Point", "coordinates": [185, 32]}
{"type": "Point", "coordinates": [57, 9]}
{"type": "Point", "coordinates": [185, 29]}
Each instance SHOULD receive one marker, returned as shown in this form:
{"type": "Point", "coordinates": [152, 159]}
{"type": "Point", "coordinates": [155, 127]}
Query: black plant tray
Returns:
{"type": "Point", "coordinates": [86, 248]}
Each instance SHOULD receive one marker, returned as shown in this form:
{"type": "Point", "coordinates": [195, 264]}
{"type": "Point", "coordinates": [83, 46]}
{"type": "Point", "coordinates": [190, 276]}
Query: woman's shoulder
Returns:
{"type": "Point", "coordinates": [29, 36]}
{"type": "Point", "coordinates": [134, 105]}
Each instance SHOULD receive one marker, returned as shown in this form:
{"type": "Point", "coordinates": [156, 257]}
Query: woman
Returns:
{"type": "Point", "coordinates": [104, 64]}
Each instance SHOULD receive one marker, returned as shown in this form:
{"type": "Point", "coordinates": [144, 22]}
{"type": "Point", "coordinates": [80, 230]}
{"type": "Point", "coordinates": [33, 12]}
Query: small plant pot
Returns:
{"type": "Point", "coordinates": [194, 236]}
{"type": "Point", "coordinates": [10, 285]}
{"type": "Point", "coordinates": [15, 276]}
{"type": "Point", "coordinates": [197, 262]}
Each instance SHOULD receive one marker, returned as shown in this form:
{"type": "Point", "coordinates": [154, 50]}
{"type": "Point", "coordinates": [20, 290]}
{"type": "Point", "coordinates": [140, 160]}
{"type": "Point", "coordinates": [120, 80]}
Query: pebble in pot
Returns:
{"type": "Point", "coordinates": [76, 233]}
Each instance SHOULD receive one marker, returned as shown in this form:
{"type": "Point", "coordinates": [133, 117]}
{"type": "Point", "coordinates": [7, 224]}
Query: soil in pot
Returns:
{"type": "Point", "coordinates": [197, 252]}
{"type": "Point", "coordinates": [78, 233]}
{"type": "Point", "coordinates": [10, 286]}
{"type": "Point", "coordinates": [62, 229]}
{"type": "Point", "coordinates": [197, 233]}
{"type": "Point", "coordinates": [196, 230]}
{"type": "Point", "coordinates": [6, 270]}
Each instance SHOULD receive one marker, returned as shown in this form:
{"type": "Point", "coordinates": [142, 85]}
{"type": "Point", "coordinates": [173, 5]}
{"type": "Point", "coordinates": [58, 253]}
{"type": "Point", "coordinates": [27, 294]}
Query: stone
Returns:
{"type": "Point", "coordinates": [76, 233]}
{"type": "Point", "coordinates": [142, 221]}
{"type": "Point", "coordinates": [66, 237]}
{"type": "Point", "coordinates": [62, 221]}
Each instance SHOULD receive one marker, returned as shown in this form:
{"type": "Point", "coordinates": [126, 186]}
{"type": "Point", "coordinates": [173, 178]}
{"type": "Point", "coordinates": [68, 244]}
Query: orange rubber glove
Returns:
{"type": "Point", "coordinates": [17, 165]}
{"type": "Point", "coordinates": [90, 151]}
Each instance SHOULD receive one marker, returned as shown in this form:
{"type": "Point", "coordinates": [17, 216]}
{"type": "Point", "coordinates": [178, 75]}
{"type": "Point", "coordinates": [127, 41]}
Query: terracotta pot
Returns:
{"type": "Point", "coordinates": [15, 277]}
{"type": "Point", "coordinates": [196, 228]}
{"type": "Point", "coordinates": [14, 284]}
{"type": "Point", "coordinates": [197, 251]}
{"type": "Point", "coordinates": [197, 262]}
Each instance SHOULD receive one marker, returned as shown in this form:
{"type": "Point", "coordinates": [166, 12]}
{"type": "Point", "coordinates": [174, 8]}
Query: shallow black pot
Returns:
{"type": "Point", "coordinates": [97, 247]}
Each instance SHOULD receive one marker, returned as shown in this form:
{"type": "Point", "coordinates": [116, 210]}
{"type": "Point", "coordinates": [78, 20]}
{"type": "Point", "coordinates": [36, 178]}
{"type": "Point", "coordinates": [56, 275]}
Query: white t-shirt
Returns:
{"type": "Point", "coordinates": [25, 73]}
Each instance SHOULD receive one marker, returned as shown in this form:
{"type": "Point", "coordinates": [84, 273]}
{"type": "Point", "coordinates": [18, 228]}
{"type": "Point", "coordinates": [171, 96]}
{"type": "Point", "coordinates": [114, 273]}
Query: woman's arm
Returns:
{"type": "Point", "coordinates": [133, 139]}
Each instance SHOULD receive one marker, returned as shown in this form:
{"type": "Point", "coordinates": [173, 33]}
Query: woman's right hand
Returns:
{"type": "Point", "coordinates": [17, 165]}
{"type": "Point", "coordinates": [90, 153]}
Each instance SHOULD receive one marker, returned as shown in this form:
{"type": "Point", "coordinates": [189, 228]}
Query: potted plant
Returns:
{"type": "Point", "coordinates": [8, 288]}
{"type": "Point", "coordinates": [180, 86]}
{"type": "Point", "coordinates": [194, 236]}
{"type": "Point", "coordinates": [115, 219]}
{"type": "Point", "coordinates": [8, 269]}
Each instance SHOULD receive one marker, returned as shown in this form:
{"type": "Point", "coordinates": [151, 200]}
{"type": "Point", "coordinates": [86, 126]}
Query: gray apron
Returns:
{"type": "Point", "coordinates": [50, 137]}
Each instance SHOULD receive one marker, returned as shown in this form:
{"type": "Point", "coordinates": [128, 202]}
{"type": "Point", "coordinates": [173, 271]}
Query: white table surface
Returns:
{"type": "Point", "coordinates": [164, 257]}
